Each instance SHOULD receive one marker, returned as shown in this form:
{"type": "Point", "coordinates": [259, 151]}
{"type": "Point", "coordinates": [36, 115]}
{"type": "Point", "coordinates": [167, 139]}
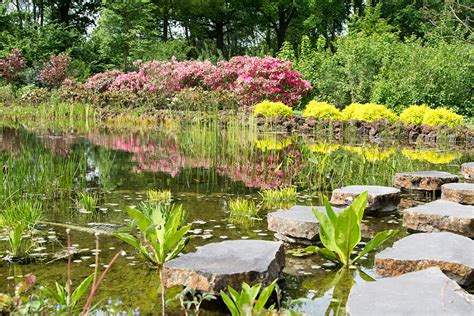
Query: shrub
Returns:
{"type": "Point", "coordinates": [272, 109]}
{"type": "Point", "coordinates": [36, 96]}
{"type": "Point", "coordinates": [101, 82]}
{"type": "Point", "coordinates": [443, 117]}
{"type": "Point", "coordinates": [55, 70]}
{"type": "Point", "coordinates": [6, 93]}
{"type": "Point", "coordinates": [11, 65]}
{"type": "Point", "coordinates": [321, 110]}
{"type": "Point", "coordinates": [198, 99]}
{"type": "Point", "coordinates": [414, 114]}
{"type": "Point", "coordinates": [368, 112]}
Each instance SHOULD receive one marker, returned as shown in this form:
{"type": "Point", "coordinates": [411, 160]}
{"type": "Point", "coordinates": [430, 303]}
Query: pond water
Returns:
{"type": "Point", "coordinates": [203, 168]}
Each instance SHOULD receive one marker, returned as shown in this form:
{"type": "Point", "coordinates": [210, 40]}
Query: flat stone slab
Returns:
{"type": "Point", "coordinates": [458, 192]}
{"type": "Point", "coordinates": [426, 292]}
{"type": "Point", "coordinates": [380, 199]}
{"type": "Point", "coordinates": [452, 253]}
{"type": "Point", "coordinates": [297, 222]}
{"type": "Point", "coordinates": [215, 266]}
{"type": "Point", "coordinates": [441, 215]}
{"type": "Point", "coordinates": [423, 180]}
{"type": "Point", "coordinates": [467, 170]}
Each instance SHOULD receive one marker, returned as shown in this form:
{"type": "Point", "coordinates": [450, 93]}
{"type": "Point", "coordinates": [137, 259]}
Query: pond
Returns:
{"type": "Point", "coordinates": [204, 168]}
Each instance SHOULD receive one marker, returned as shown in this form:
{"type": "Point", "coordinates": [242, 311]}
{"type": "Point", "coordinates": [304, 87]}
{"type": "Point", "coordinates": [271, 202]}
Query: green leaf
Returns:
{"type": "Point", "coordinates": [129, 239]}
{"type": "Point", "coordinates": [347, 233]}
{"type": "Point", "coordinates": [330, 212]}
{"type": "Point", "coordinates": [379, 239]}
{"type": "Point", "coordinates": [263, 297]}
{"type": "Point", "coordinates": [359, 204]}
{"type": "Point", "coordinates": [230, 304]}
{"type": "Point", "coordinates": [81, 289]}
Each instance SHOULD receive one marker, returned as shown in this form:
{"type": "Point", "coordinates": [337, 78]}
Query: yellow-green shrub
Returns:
{"type": "Point", "coordinates": [368, 112]}
{"type": "Point", "coordinates": [272, 109]}
{"type": "Point", "coordinates": [443, 116]}
{"type": "Point", "coordinates": [321, 110]}
{"type": "Point", "coordinates": [414, 114]}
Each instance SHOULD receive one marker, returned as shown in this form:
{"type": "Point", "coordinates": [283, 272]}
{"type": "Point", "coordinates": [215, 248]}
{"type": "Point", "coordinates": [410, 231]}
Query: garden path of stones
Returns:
{"type": "Point", "coordinates": [421, 274]}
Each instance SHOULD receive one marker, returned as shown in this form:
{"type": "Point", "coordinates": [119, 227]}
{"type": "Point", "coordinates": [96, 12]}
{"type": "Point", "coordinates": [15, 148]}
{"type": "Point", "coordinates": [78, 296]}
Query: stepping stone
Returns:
{"type": "Point", "coordinates": [381, 199]}
{"type": "Point", "coordinates": [467, 170]}
{"type": "Point", "coordinates": [458, 192]}
{"type": "Point", "coordinates": [423, 180]}
{"type": "Point", "coordinates": [452, 253]}
{"type": "Point", "coordinates": [215, 266]}
{"type": "Point", "coordinates": [296, 223]}
{"type": "Point", "coordinates": [441, 215]}
{"type": "Point", "coordinates": [426, 292]}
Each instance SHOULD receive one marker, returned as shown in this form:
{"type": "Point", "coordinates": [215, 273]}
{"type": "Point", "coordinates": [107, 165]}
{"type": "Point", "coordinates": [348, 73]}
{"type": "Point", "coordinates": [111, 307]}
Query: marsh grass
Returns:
{"type": "Point", "coordinates": [241, 207]}
{"type": "Point", "coordinates": [87, 201]}
{"type": "Point", "coordinates": [273, 196]}
{"type": "Point", "coordinates": [163, 196]}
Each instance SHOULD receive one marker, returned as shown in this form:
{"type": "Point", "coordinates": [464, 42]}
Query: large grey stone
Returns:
{"type": "Point", "coordinates": [467, 170]}
{"type": "Point", "coordinates": [441, 215]}
{"type": "Point", "coordinates": [452, 253]}
{"type": "Point", "coordinates": [423, 180]}
{"type": "Point", "coordinates": [458, 192]}
{"type": "Point", "coordinates": [426, 292]}
{"type": "Point", "coordinates": [298, 222]}
{"type": "Point", "coordinates": [380, 200]}
{"type": "Point", "coordinates": [215, 266]}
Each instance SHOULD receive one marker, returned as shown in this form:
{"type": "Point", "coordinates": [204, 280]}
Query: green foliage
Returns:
{"type": "Point", "coordinates": [163, 196]}
{"type": "Point", "coordinates": [272, 196]}
{"type": "Point", "coordinates": [414, 114]}
{"type": "Point", "coordinates": [272, 109]}
{"type": "Point", "coordinates": [66, 303]}
{"type": "Point", "coordinates": [35, 96]}
{"type": "Point", "coordinates": [7, 94]}
{"type": "Point", "coordinates": [340, 233]}
{"type": "Point", "coordinates": [443, 117]}
{"type": "Point", "coordinates": [161, 233]}
{"type": "Point", "coordinates": [243, 207]}
{"type": "Point", "coordinates": [87, 202]}
{"type": "Point", "coordinates": [192, 306]}
{"type": "Point", "coordinates": [368, 112]}
{"type": "Point", "coordinates": [321, 110]}
{"type": "Point", "coordinates": [246, 303]}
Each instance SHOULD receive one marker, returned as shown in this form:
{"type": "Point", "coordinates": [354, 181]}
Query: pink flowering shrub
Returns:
{"type": "Point", "coordinates": [12, 65]}
{"type": "Point", "coordinates": [248, 80]}
{"type": "Point", "coordinates": [55, 70]}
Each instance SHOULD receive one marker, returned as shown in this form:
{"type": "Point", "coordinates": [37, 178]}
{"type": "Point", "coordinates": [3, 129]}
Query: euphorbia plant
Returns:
{"type": "Point", "coordinates": [340, 233]}
{"type": "Point", "coordinates": [161, 235]}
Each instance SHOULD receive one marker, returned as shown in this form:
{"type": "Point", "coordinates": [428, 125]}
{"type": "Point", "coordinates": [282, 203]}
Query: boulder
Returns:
{"type": "Point", "coordinates": [441, 215]}
{"type": "Point", "coordinates": [467, 170]}
{"type": "Point", "coordinates": [423, 180]}
{"type": "Point", "coordinates": [380, 200]}
{"type": "Point", "coordinates": [426, 292]}
{"type": "Point", "coordinates": [458, 192]}
{"type": "Point", "coordinates": [215, 266]}
{"type": "Point", "coordinates": [452, 253]}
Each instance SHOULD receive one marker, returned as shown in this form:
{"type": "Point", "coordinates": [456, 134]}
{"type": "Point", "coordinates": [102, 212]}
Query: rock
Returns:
{"type": "Point", "coordinates": [423, 180]}
{"type": "Point", "coordinates": [458, 192]}
{"type": "Point", "coordinates": [467, 170]}
{"type": "Point", "coordinates": [426, 292]}
{"type": "Point", "coordinates": [297, 222]}
{"type": "Point", "coordinates": [215, 266]}
{"type": "Point", "coordinates": [380, 200]}
{"type": "Point", "coordinates": [441, 215]}
{"type": "Point", "coordinates": [452, 253]}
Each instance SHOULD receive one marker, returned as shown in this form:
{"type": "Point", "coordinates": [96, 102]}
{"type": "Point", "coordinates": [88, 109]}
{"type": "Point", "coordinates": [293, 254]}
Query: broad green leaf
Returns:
{"type": "Point", "coordinates": [327, 254]}
{"type": "Point", "coordinates": [326, 230]}
{"type": "Point", "coordinates": [330, 212]}
{"type": "Point", "coordinates": [379, 239]}
{"type": "Point", "coordinates": [81, 289]}
{"type": "Point", "coordinates": [129, 239]}
{"type": "Point", "coordinates": [359, 204]}
{"type": "Point", "coordinates": [347, 233]}
{"type": "Point", "coordinates": [230, 304]}
{"type": "Point", "coordinates": [263, 297]}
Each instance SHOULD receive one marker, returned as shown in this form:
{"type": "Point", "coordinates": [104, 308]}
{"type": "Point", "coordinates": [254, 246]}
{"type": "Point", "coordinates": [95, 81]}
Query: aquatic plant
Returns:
{"type": "Point", "coordinates": [340, 233]}
{"type": "Point", "coordinates": [321, 110]}
{"type": "Point", "coordinates": [271, 196]}
{"type": "Point", "coordinates": [87, 201]}
{"type": "Point", "coordinates": [443, 117]}
{"type": "Point", "coordinates": [242, 207]}
{"type": "Point", "coordinates": [192, 307]}
{"type": "Point", "coordinates": [414, 114]}
{"type": "Point", "coordinates": [161, 236]}
{"type": "Point", "coordinates": [163, 196]}
{"type": "Point", "coordinates": [272, 109]}
{"type": "Point", "coordinates": [246, 303]}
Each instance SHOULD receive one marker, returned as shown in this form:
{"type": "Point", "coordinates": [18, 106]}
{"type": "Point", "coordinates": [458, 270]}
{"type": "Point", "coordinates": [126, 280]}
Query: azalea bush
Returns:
{"type": "Point", "coordinates": [11, 65]}
{"type": "Point", "coordinates": [368, 112]}
{"type": "Point", "coordinates": [272, 109]}
{"type": "Point", "coordinates": [55, 70]}
{"type": "Point", "coordinates": [321, 110]}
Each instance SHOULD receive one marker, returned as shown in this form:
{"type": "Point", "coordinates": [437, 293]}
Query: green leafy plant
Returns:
{"type": "Point", "coordinates": [340, 233]}
{"type": "Point", "coordinates": [87, 201]}
{"type": "Point", "coordinates": [443, 117]}
{"type": "Point", "coordinates": [161, 235]}
{"type": "Point", "coordinates": [287, 194]}
{"type": "Point", "coordinates": [192, 306]}
{"type": "Point", "coordinates": [368, 112]}
{"type": "Point", "coordinates": [272, 109]}
{"type": "Point", "coordinates": [66, 301]}
{"type": "Point", "coordinates": [246, 303]}
{"type": "Point", "coordinates": [243, 207]}
{"type": "Point", "coordinates": [414, 114]}
{"type": "Point", "coordinates": [159, 196]}
{"type": "Point", "coordinates": [321, 110]}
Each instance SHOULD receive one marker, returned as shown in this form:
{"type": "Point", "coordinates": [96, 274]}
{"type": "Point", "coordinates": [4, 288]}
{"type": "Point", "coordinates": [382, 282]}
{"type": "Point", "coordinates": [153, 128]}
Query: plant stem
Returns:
{"type": "Point", "coordinates": [69, 279]}
{"type": "Point", "coordinates": [163, 302]}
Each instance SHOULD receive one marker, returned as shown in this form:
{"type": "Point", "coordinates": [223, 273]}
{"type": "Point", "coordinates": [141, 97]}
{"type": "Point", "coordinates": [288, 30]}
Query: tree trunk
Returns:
{"type": "Point", "coordinates": [64, 7]}
{"type": "Point", "coordinates": [220, 37]}
{"type": "Point", "coordinates": [282, 28]}
{"type": "Point", "coordinates": [166, 22]}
